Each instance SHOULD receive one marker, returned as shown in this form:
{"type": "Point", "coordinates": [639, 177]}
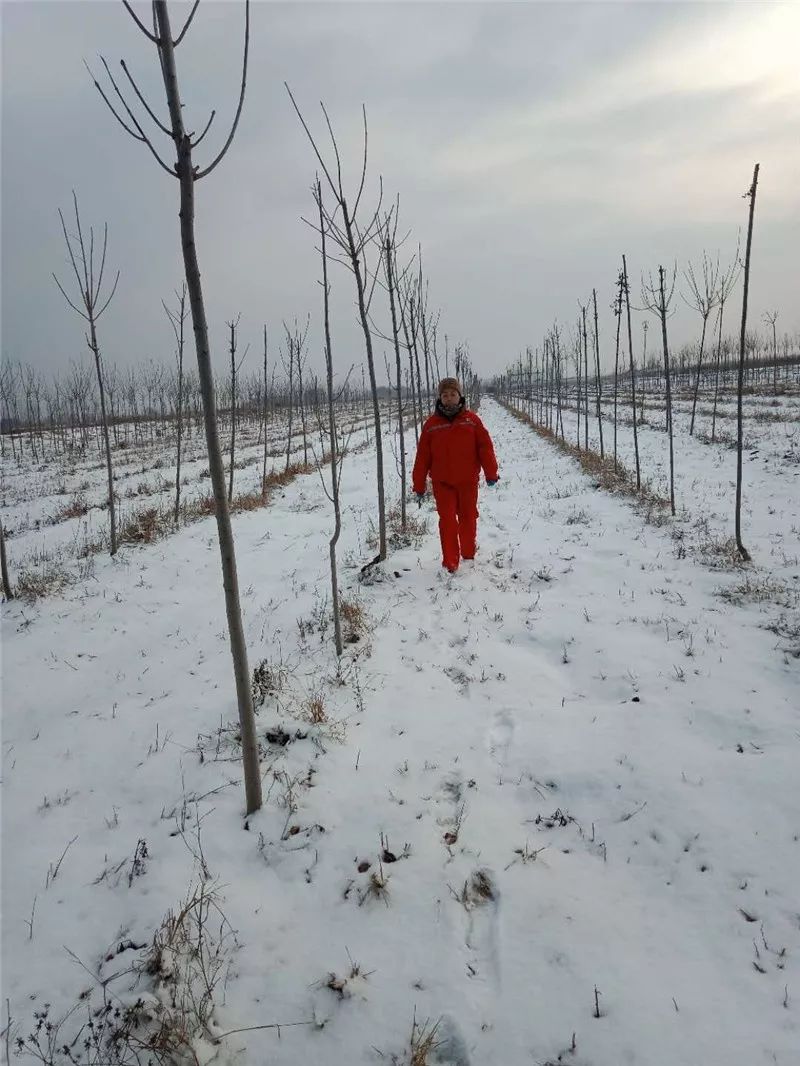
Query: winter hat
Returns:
{"type": "Point", "coordinates": [449, 383]}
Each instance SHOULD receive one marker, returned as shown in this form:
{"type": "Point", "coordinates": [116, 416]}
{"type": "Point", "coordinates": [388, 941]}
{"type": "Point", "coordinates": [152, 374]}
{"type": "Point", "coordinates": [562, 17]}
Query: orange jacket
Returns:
{"type": "Point", "coordinates": [453, 450]}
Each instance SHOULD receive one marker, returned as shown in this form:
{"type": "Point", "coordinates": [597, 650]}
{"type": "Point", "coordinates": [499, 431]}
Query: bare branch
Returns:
{"type": "Point", "coordinates": [136, 136]}
{"type": "Point", "coordinates": [139, 23]}
{"type": "Point", "coordinates": [335, 150]}
{"type": "Point", "coordinates": [135, 121]}
{"type": "Point", "coordinates": [364, 167]}
{"type": "Point", "coordinates": [89, 294]}
{"type": "Point", "coordinates": [71, 255]}
{"type": "Point", "coordinates": [313, 143]}
{"type": "Point", "coordinates": [110, 298]}
{"type": "Point", "coordinates": [71, 304]}
{"type": "Point", "coordinates": [205, 131]}
{"type": "Point", "coordinates": [91, 257]}
{"type": "Point", "coordinates": [226, 146]}
{"type": "Point", "coordinates": [144, 103]}
{"type": "Point", "coordinates": [186, 26]}
{"type": "Point", "coordinates": [103, 259]}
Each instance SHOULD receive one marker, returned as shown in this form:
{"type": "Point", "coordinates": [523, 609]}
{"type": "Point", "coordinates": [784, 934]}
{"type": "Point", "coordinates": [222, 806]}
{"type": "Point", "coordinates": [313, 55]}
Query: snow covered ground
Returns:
{"type": "Point", "coordinates": [562, 780]}
{"type": "Point", "coordinates": [57, 510]}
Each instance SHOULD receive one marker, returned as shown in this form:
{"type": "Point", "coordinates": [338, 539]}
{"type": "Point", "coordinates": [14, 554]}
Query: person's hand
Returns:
{"type": "Point", "coordinates": [419, 497]}
{"type": "Point", "coordinates": [492, 483]}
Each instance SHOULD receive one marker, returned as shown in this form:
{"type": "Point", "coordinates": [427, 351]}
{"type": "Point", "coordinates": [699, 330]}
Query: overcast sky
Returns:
{"type": "Point", "coordinates": [531, 144]}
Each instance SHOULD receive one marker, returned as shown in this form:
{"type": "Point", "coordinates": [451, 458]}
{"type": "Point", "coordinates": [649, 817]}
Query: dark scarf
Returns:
{"type": "Point", "coordinates": [450, 412]}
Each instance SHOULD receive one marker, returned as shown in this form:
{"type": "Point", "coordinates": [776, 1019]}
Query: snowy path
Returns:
{"type": "Point", "coordinates": [592, 760]}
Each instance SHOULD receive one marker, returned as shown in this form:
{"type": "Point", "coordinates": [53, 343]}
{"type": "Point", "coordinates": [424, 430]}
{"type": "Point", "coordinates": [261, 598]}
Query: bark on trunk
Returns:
{"type": "Point", "coordinates": [362, 311]}
{"type": "Point", "coordinates": [390, 285]}
{"type": "Point", "coordinates": [334, 449]}
{"type": "Point", "coordinates": [264, 459]}
{"type": "Point", "coordinates": [598, 385]}
{"type": "Point", "coordinates": [663, 316]}
{"type": "Point", "coordinates": [185, 172]}
{"type": "Point", "coordinates": [112, 511]}
{"type": "Point", "coordinates": [633, 373]}
{"type": "Point", "coordinates": [739, 419]}
{"type": "Point", "coordinates": [7, 590]}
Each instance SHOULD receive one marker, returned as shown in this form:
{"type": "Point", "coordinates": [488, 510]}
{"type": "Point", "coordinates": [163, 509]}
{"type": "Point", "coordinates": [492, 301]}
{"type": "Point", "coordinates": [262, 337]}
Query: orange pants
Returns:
{"type": "Point", "coordinates": [458, 520]}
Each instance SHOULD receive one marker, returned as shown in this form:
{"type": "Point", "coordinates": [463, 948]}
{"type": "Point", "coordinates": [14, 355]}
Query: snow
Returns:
{"type": "Point", "coordinates": [583, 759]}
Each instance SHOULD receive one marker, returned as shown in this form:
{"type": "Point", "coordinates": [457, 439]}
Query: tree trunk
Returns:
{"type": "Point", "coordinates": [739, 420]}
{"type": "Point", "coordinates": [264, 460]}
{"type": "Point", "coordinates": [585, 381]}
{"type": "Point", "coordinates": [618, 310]}
{"type": "Point", "coordinates": [337, 513]}
{"type": "Point", "coordinates": [112, 512]}
{"type": "Point", "coordinates": [362, 311]}
{"type": "Point", "coordinates": [697, 379]}
{"type": "Point", "coordinates": [663, 316]}
{"type": "Point", "coordinates": [302, 402]}
{"type": "Point", "coordinates": [598, 386]}
{"type": "Point", "coordinates": [416, 360]}
{"type": "Point", "coordinates": [180, 410]}
{"type": "Point", "coordinates": [185, 173]}
{"type": "Point", "coordinates": [7, 590]}
{"type": "Point", "coordinates": [290, 344]}
{"type": "Point", "coordinates": [633, 373]}
{"type": "Point", "coordinates": [717, 370]}
{"type": "Point", "coordinates": [390, 286]}
{"type": "Point", "coordinates": [233, 410]}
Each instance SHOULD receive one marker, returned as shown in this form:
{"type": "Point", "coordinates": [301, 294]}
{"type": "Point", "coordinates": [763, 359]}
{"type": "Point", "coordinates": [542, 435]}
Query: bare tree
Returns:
{"type": "Point", "coordinates": [177, 320]}
{"type": "Point", "coordinates": [616, 307]}
{"type": "Point", "coordinates": [8, 592]}
{"type": "Point", "coordinates": [751, 195]}
{"type": "Point", "coordinates": [578, 375]}
{"type": "Point", "coordinates": [770, 318]}
{"type": "Point", "coordinates": [264, 412]}
{"type": "Point", "coordinates": [389, 263]}
{"type": "Point", "coordinates": [727, 283]}
{"type": "Point", "coordinates": [598, 385]}
{"type": "Point", "coordinates": [346, 232]}
{"type": "Point", "coordinates": [625, 291]}
{"type": "Point", "coordinates": [657, 299]}
{"type": "Point", "coordinates": [645, 328]}
{"type": "Point", "coordinates": [92, 306]}
{"type": "Point", "coordinates": [233, 327]}
{"type": "Point", "coordinates": [188, 174]}
{"type": "Point", "coordinates": [585, 377]}
{"type": "Point", "coordinates": [295, 343]}
{"type": "Point", "coordinates": [703, 297]}
{"type": "Point", "coordinates": [335, 452]}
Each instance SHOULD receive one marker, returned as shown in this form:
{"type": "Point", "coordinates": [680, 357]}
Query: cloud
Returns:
{"type": "Point", "coordinates": [530, 144]}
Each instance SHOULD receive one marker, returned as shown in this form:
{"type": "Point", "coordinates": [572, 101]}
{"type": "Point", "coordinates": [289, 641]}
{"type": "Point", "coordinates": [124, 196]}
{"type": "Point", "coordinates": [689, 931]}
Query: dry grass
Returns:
{"type": "Point", "coordinates": [787, 628]}
{"type": "Point", "coordinates": [145, 526]}
{"type": "Point", "coordinates": [77, 507]}
{"type": "Point", "coordinates": [757, 588]}
{"type": "Point", "coordinates": [268, 680]}
{"type": "Point", "coordinates": [47, 579]}
{"type": "Point", "coordinates": [314, 710]}
{"type": "Point", "coordinates": [354, 618]}
{"type": "Point", "coordinates": [720, 554]}
{"type": "Point", "coordinates": [614, 478]}
{"type": "Point", "coordinates": [397, 535]}
{"type": "Point", "coordinates": [476, 891]}
{"type": "Point", "coordinates": [187, 960]}
{"type": "Point", "coordinates": [423, 1041]}
{"type": "Point", "coordinates": [142, 527]}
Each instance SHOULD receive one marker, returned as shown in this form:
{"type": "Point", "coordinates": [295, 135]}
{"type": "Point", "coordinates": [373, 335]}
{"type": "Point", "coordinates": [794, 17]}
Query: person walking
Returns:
{"type": "Point", "coordinates": [454, 446]}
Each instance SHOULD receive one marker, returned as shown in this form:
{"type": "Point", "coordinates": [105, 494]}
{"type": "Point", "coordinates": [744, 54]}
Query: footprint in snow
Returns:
{"type": "Point", "coordinates": [480, 898]}
{"type": "Point", "coordinates": [500, 736]}
{"type": "Point", "coordinates": [451, 1049]}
